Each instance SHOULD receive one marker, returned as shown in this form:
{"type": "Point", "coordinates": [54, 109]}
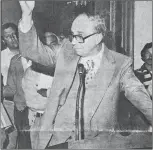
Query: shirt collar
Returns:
{"type": "Point", "coordinates": [95, 58]}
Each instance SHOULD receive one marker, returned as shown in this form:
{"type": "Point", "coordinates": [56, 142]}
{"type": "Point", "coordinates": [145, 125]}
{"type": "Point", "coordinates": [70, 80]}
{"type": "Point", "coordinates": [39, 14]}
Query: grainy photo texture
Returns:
{"type": "Point", "coordinates": [76, 74]}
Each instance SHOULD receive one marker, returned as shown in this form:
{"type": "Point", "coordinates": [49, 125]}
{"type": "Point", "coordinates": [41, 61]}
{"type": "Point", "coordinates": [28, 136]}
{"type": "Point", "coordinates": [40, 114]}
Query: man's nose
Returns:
{"type": "Point", "coordinates": [74, 41]}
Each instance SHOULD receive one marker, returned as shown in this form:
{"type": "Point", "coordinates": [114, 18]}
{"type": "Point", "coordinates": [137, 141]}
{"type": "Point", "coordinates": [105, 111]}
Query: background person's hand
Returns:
{"type": "Point", "coordinates": [27, 7]}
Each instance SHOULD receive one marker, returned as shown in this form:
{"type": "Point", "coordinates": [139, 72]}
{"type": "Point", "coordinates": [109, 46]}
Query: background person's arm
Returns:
{"type": "Point", "coordinates": [10, 89]}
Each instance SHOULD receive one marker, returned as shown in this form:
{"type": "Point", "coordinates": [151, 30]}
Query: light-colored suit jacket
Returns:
{"type": "Point", "coordinates": [101, 98]}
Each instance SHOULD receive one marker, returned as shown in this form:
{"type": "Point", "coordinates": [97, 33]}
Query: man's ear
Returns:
{"type": "Point", "coordinates": [99, 38]}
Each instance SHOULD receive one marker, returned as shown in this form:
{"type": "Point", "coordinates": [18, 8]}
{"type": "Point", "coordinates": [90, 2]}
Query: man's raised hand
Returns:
{"type": "Point", "coordinates": [27, 7]}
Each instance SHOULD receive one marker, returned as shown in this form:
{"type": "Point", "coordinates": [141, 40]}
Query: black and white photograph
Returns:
{"type": "Point", "coordinates": [76, 74]}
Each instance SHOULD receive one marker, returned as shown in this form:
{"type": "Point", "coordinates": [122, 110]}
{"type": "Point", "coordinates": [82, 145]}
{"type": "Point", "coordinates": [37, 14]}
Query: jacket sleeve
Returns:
{"type": "Point", "coordinates": [10, 88]}
{"type": "Point", "coordinates": [32, 48]}
{"type": "Point", "coordinates": [134, 90]}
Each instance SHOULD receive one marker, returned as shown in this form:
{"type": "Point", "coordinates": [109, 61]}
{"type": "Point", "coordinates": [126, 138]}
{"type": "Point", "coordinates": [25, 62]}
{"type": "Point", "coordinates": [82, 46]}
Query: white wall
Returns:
{"type": "Point", "coordinates": [143, 29]}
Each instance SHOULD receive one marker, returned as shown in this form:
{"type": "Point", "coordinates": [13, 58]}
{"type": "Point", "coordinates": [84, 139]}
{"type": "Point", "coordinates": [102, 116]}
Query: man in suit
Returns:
{"type": "Point", "coordinates": [107, 74]}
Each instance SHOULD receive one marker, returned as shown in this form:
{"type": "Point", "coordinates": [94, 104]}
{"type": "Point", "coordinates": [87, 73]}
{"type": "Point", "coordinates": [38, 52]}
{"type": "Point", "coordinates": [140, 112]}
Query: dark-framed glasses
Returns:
{"type": "Point", "coordinates": [79, 38]}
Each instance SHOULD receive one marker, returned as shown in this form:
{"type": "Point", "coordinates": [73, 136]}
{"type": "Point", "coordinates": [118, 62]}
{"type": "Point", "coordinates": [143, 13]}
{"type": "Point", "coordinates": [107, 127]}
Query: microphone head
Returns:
{"type": "Point", "coordinates": [80, 69]}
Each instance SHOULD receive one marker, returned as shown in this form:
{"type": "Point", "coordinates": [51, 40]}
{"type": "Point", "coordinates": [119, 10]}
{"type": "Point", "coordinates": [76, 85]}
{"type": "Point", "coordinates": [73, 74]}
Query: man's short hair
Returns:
{"type": "Point", "coordinates": [146, 47]}
{"type": "Point", "coordinates": [98, 21]}
{"type": "Point", "coordinates": [8, 25]}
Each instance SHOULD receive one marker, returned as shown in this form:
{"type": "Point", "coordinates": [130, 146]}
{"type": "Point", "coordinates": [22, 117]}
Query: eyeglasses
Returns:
{"type": "Point", "coordinates": [79, 38]}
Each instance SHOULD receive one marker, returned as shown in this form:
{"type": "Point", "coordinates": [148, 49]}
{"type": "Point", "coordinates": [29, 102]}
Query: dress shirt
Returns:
{"type": "Point", "coordinates": [92, 64]}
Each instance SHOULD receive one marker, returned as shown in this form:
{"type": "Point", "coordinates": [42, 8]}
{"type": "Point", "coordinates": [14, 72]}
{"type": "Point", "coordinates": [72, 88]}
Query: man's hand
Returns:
{"type": "Point", "coordinates": [27, 7]}
{"type": "Point", "coordinates": [26, 22]}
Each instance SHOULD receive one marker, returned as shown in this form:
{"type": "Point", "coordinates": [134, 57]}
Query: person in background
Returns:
{"type": "Point", "coordinates": [4, 136]}
{"type": "Point", "coordinates": [13, 89]}
{"type": "Point", "coordinates": [10, 42]}
{"type": "Point", "coordinates": [50, 38]}
{"type": "Point", "coordinates": [107, 73]}
{"type": "Point", "coordinates": [13, 66]}
{"type": "Point", "coordinates": [52, 41]}
{"type": "Point", "coordinates": [144, 73]}
{"type": "Point", "coordinates": [10, 48]}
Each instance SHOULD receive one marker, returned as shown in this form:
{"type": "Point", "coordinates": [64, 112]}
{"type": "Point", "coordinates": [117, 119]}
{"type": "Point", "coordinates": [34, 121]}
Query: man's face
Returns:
{"type": "Point", "coordinates": [82, 26]}
{"type": "Point", "coordinates": [11, 38]}
{"type": "Point", "coordinates": [50, 39]}
{"type": "Point", "coordinates": [148, 56]}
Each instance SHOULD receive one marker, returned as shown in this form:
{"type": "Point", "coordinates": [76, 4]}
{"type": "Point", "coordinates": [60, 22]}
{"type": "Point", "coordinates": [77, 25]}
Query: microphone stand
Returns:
{"type": "Point", "coordinates": [82, 107]}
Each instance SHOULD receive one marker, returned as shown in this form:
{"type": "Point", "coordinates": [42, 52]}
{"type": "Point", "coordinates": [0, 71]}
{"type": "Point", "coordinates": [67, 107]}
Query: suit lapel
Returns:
{"type": "Point", "coordinates": [103, 78]}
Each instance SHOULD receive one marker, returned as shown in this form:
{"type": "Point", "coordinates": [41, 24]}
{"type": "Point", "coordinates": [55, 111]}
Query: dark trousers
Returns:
{"type": "Point", "coordinates": [22, 124]}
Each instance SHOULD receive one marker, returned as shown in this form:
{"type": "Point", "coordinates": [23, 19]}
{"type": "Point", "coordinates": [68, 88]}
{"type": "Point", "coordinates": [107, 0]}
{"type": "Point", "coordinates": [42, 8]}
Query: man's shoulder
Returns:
{"type": "Point", "coordinates": [120, 58]}
{"type": "Point", "coordinates": [119, 55]}
{"type": "Point", "coordinates": [5, 51]}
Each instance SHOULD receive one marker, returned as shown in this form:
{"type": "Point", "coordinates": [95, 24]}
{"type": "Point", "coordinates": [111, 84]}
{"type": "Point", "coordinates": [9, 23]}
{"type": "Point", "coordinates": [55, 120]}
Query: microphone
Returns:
{"type": "Point", "coordinates": [81, 69]}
